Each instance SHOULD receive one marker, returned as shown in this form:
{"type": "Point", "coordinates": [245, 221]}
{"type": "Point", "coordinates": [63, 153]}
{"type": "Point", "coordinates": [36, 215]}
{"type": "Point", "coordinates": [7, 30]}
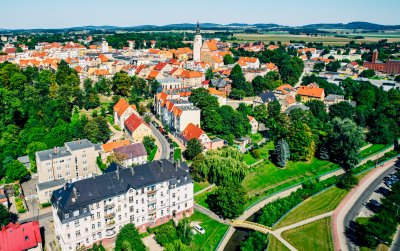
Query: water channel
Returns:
{"type": "Point", "coordinates": [239, 236]}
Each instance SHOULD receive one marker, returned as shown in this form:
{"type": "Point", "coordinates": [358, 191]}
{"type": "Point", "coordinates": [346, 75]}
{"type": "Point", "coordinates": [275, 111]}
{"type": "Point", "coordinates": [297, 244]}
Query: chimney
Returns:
{"type": "Point", "coordinates": [176, 165]}
{"type": "Point", "coordinates": [79, 141]}
{"type": "Point", "coordinates": [161, 165]}
{"type": "Point", "coordinates": [117, 173]}
{"type": "Point", "coordinates": [132, 170]}
{"type": "Point", "coordinates": [65, 186]}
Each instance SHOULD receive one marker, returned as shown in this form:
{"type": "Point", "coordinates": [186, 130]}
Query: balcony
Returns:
{"type": "Point", "coordinates": [110, 232]}
{"type": "Point", "coordinates": [109, 206]}
{"type": "Point", "coordinates": [152, 210]}
{"type": "Point", "coordinates": [153, 191]}
{"type": "Point", "coordinates": [110, 216]}
{"type": "Point", "coordinates": [152, 200]}
{"type": "Point", "coordinates": [110, 223]}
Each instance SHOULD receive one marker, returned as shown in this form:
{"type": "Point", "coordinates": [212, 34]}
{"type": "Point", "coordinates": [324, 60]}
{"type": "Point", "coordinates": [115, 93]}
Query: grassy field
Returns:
{"type": "Point", "coordinates": [372, 150]}
{"type": "Point", "coordinates": [275, 245]}
{"type": "Point", "coordinates": [201, 198]}
{"type": "Point", "coordinates": [256, 137]}
{"type": "Point", "coordinates": [177, 154]}
{"type": "Point", "coordinates": [313, 236]}
{"type": "Point", "coordinates": [265, 176]}
{"type": "Point", "coordinates": [152, 154]}
{"type": "Point", "coordinates": [264, 152]}
{"type": "Point", "coordinates": [327, 40]}
{"type": "Point", "coordinates": [200, 186]}
{"type": "Point", "coordinates": [214, 232]}
{"type": "Point", "coordinates": [313, 206]}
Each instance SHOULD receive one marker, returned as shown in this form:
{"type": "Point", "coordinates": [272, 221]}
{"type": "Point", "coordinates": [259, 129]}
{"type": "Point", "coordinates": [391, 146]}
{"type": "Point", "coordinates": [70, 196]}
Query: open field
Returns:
{"type": "Point", "coordinates": [327, 40]}
{"type": "Point", "coordinates": [314, 236]}
{"type": "Point", "coordinates": [275, 245]}
{"type": "Point", "coordinates": [322, 203]}
{"type": "Point", "coordinates": [198, 186]}
{"type": "Point", "coordinates": [201, 198]}
{"type": "Point", "coordinates": [266, 175]}
{"type": "Point", "coordinates": [264, 153]}
{"type": "Point", "coordinates": [214, 232]}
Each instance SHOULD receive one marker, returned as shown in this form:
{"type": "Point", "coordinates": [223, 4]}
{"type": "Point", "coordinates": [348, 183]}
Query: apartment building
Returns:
{"type": "Point", "coordinates": [177, 114]}
{"type": "Point", "coordinates": [95, 209]}
{"type": "Point", "coordinates": [75, 160]}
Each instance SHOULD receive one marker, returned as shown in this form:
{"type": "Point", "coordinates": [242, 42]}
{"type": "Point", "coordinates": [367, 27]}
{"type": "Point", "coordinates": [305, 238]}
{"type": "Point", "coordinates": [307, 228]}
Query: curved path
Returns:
{"type": "Point", "coordinates": [350, 206]}
{"type": "Point", "coordinates": [164, 149]}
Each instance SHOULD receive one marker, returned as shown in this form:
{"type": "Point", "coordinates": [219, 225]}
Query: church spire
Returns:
{"type": "Point", "coordinates": [198, 28]}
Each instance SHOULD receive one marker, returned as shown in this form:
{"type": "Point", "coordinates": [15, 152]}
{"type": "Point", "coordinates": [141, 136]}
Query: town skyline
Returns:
{"type": "Point", "coordinates": [176, 11]}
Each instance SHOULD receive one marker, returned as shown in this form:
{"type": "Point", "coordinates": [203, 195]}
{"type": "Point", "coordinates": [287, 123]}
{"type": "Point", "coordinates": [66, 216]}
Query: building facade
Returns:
{"type": "Point", "coordinates": [198, 42]}
{"type": "Point", "coordinates": [74, 161]}
{"type": "Point", "coordinates": [95, 209]}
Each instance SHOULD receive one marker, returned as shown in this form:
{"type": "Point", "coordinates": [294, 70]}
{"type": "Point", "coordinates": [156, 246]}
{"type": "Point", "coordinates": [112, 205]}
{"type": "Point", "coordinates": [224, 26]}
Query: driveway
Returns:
{"type": "Point", "coordinates": [151, 243]}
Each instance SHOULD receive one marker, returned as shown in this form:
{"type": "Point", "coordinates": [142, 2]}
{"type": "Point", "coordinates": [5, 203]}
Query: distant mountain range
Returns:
{"type": "Point", "coordinates": [214, 26]}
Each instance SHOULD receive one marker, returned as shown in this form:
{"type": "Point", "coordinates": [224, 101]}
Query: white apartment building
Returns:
{"type": "Point", "coordinates": [75, 160]}
{"type": "Point", "coordinates": [178, 114]}
{"type": "Point", "coordinates": [95, 209]}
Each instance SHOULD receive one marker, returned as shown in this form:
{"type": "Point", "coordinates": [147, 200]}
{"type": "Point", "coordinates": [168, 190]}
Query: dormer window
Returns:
{"type": "Point", "coordinates": [66, 216]}
{"type": "Point", "coordinates": [85, 210]}
{"type": "Point", "coordinates": [76, 213]}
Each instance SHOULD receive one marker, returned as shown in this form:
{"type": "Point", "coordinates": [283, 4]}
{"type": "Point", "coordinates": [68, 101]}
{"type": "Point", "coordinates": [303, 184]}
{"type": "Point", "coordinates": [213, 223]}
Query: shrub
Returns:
{"type": "Point", "coordinates": [347, 181]}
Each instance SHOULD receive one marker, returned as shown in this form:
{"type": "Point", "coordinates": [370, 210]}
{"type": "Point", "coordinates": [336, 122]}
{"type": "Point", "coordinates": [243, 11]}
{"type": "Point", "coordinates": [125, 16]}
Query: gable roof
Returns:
{"type": "Point", "coordinates": [285, 89]}
{"type": "Point", "coordinates": [191, 74]}
{"type": "Point", "coordinates": [132, 151]}
{"type": "Point", "coordinates": [192, 132]}
{"type": "Point", "coordinates": [309, 91]}
{"type": "Point", "coordinates": [268, 97]}
{"type": "Point", "coordinates": [121, 106]}
{"type": "Point", "coordinates": [133, 122]}
{"type": "Point", "coordinates": [108, 147]}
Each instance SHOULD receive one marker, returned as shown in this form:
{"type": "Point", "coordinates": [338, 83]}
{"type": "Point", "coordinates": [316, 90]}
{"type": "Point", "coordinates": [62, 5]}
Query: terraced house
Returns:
{"type": "Point", "coordinates": [93, 210]}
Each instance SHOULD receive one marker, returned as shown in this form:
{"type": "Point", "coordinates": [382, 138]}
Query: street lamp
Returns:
{"type": "Point", "coordinates": [397, 211]}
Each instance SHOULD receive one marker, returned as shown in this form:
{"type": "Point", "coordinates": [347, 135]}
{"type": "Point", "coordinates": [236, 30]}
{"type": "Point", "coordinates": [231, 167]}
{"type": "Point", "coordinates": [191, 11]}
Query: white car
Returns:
{"type": "Point", "coordinates": [199, 229]}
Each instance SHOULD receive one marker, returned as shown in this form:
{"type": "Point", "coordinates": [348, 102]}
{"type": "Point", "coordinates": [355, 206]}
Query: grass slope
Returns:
{"type": "Point", "coordinates": [313, 236]}
{"type": "Point", "coordinates": [313, 206]}
{"type": "Point", "coordinates": [275, 245]}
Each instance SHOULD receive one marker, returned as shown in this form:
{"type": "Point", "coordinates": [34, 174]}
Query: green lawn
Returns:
{"type": "Point", "coordinates": [214, 232]}
{"type": "Point", "coordinates": [177, 154]}
{"type": "Point", "coordinates": [264, 152]}
{"type": "Point", "coordinates": [372, 150]}
{"type": "Point", "coordinates": [266, 176]}
{"type": "Point", "coordinates": [249, 159]}
{"type": "Point", "coordinates": [201, 198]}
{"type": "Point", "coordinates": [152, 154]}
{"type": "Point", "coordinates": [313, 206]}
{"type": "Point", "coordinates": [314, 236]}
{"type": "Point", "coordinates": [275, 245]}
{"type": "Point", "coordinates": [255, 138]}
{"type": "Point", "coordinates": [200, 186]}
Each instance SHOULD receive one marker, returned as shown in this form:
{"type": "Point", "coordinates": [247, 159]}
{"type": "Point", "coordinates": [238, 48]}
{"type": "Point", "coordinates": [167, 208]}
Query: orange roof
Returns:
{"type": "Point", "coordinates": [192, 132]}
{"type": "Point", "coordinates": [121, 106]}
{"type": "Point", "coordinates": [224, 53]}
{"type": "Point", "coordinates": [78, 68]}
{"type": "Point", "coordinates": [217, 59]}
{"type": "Point", "coordinates": [212, 45]}
{"type": "Point", "coordinates": [290, 99]}
{"type": "Point", "coordinates": [103, 58]}
{"type": "Point", "coordinates": [108, 147]}
{"type": "Point", "coordinates": [271, 66]}
{"type": "Point", "coordinates": [153, 74]}
{"type": "Point", "coordinates": [159, 66]}
{"type": "Point", "coordinates": [140, 68]}
{"type": "Point", "coordinates": [154, 51]}
{"type": "Point", "coordinates": [214, 91]}
{"type": "Point", "coordinates": [133, 122]}
{"type": "Point", "coordinates": [311, 91]}
{"type": "Point", "coordinates": [177, 112]}
{"type": "Point", "coordinates": [191, 74]}
{"type": "Point", "coordinates": [101, 72]}
{"type": "Point", "coordinates": [39, 54]}
{"type": "Point", "coordinates": [250, 117]}
{"type": "Point", "coordinates": [248, 59]}
{"type": "Point", "coordinates": [285, 89]}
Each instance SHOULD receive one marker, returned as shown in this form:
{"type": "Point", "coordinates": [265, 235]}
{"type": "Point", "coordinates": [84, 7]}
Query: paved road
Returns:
{"type": "Point", "coordinates": [165, 151]}
{"type": "Point", "coordinates": [359, 203]}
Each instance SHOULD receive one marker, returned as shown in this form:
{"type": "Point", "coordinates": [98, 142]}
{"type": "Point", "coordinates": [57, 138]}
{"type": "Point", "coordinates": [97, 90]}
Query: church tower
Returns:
{"type": "Point", "coordinates": [198, 43]}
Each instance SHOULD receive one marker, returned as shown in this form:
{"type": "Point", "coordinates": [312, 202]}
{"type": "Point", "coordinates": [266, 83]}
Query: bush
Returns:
{"type": "Point", "coordinates": [20, 206]}
{"type": "Point", "coordinates": [256, 153]}
{"type": "Point", "coordinates": [166, 233]}
{"type": "Point", "coordinates": [347, 181]}
{"type": "Point", "coordinates": [128, 239]}
{"type": "Point", "coordinates": [228, 201]}
{"type": "Point", "coordinates": [44, 205]}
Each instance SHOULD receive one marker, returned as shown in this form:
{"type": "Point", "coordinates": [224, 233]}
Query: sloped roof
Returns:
{"type": "Point", "coordinates": [108, 147]}
{"type": "Point", "coordinates": [133, 122]}
{"type": "Point", "coordinates": [192, 132]}
{"type": "Point", "coordinates": [20, 236]}
{"type": "Point", "coordinates": [310, 91]}
{"type": "Point", "coordinates": [131, 151]}
{"type": "Point", "coordinates": [121, 106]}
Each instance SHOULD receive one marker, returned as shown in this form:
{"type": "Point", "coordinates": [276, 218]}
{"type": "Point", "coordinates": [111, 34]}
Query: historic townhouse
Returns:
{"type": "Point", "coordinates": [95, 209]}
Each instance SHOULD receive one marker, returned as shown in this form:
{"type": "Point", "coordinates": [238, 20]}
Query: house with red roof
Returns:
{"type": "Point", "coordinates": [249, 62]}
{"type": "Point", "coordinates": [122, 110]}
{"type": "Point", "coordinates": [310, 93]}
{"type": "Point", "coordinates": [194, 132]}
{"type": "Point", "coordinates": [21, 237]}
{"type": "Point", "coordinates": [136, 128]}
{"type": "Point", "coordinates": [253, 123]}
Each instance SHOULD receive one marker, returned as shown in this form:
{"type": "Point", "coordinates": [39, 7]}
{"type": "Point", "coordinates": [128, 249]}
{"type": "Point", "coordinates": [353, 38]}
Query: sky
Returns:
{"type": "Point", "coordinates": [25, 14]}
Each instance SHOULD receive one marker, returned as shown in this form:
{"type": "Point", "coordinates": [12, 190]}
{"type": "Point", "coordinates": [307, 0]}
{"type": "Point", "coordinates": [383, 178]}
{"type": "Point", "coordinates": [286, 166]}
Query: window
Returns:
{"type": "Point", "coordinates": [77, 223]}
{"type": "Point", "coordinates": [162, 212]}
{"type": "Point", "coordinates": [68, 173]}
{"type": "Point", "coordinates": [98, 224]}
{"type": "Point", "coordinates": [131, 209]}
{"type": "Point", "coordinates": [66, 216]}
{"type": "Point", "coordinates": [59, 168]}
{"type": "Point", "coordinates": [78, 233]}
{"type": "Point", "coordinates": [48, 164]}
{"type": "Point", "coordinates": [173, 195]}
{"type": "Point", "coordinates": [85, 169]}
{"type": "Point", "coordinates": [67, 225]}
{"type": "Point", "coordinates": [86, 230]}
{"type": "Point", "coordinates": [84, 162]}
{"type": "Point", "coordinates": [185, 196]}
{"type": "Point", "coordinates": [92, 217]}
{"type": "Point", "coordinates": [84, 210]}
{"type": "Point", "coordinates": [98, 215]}
{"type": "Point", "coordinates": [59, 176]}
{"type": "Point", "coordinates": [142, 200]}
{"type": "Point", "coordinates": [119, 217]}
{"type": "Point", "coordinates": [87, 240]}
{"type": "Point", "coordinates": [137, 202]}
{"type": "Point", "coordinates": [76, 212]}
{"type": "Point", "coordinates": [131, 199]}
{"type": "Point", "coordinates": [186, 205]}
{"type": "Point", "coordinates": [68, 236]}
{"type": "Point", "coordinates": [93, 226]}
{"type": "Point", "coordinates": [131, 219]}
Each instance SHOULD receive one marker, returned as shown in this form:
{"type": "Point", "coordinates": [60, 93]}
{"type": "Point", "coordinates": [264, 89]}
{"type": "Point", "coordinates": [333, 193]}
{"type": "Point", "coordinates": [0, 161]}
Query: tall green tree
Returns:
{"type": "Point", "coordinates": [345, 141]}
{"type": "Point", "coordinates": [128, 239]}
{"type": "Point", "coordinates": [193, 148]}
{"type": "Point", "coordinates": [121, 84]}
{"type": "Point", "coordinates": [228, 201]}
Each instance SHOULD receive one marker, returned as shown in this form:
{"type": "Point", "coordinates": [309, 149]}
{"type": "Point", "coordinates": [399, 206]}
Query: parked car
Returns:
{"type": "Point", "coordinates": [373, 205]}
{"type": "Point", "coordinates": [383, 191]}
{"type": "Point", "coordinates": [199, 229]}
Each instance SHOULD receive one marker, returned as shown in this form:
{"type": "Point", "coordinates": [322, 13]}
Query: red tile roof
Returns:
{"type": "Point", "coordinates": [315, 92]}
{"type": "Point", "coordinates": [108, 147]}
{"type": "Point", "coordinates": [16, 237]}
{"type": "Point", "coordinates": [133, 122]}
{"type": "Point", "coordinates": [192, 132]}
{"type": "Point", "coordinates": [122, 105]}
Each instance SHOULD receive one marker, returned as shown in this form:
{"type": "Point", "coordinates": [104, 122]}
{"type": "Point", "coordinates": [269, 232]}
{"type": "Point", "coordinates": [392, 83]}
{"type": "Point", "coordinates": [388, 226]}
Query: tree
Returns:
{"type": "Point", "coordinates": [345, 141]}
{"type": "Point", "coordinates": [149, 144]}
{"type": "Point", "coordinates": [260, 113]}
{"type": "Point", "coordinates": [16, 171]}
{"type": "Point", "coordinates": [301, 142]}
{"type": "Point", "coordinates": [318, 109]}
{"type": "Point", "coordinates": [147, 119]}
{"type": "Point", "coordinates": [274, 109]}
{"type": "Point", "coordinates": [381, 130]}
{"type": "Point", "coordinates": [281, 153]}
{"type": "Point", "coordinates": [31, 150]}
{"type": "Point", "coordinates": [202, 99]}
{"type": "Point", "coordinates": [193, 148]}
{"type": "Point", "coordinates": [333, 66]}
{"type": "Point", "coordinates": [237, 94]}
{"type": "Point", "coordinates": [318, 67]}
{"type": "Point", "coordinates": [228, 201]}
{"type": "Point", "coordinates": [128, 239]}
{"type": "Point", "coordinates": [212, 122]}
{"type": "Point", "coordinates": [209, 74]}
{"type": "Point", "coordinates": [97, 130]}
{"type": "Point", "coordinates": [6, 216]}
{"type": "Point", "coordinates": [347, 181]}
{"type": "Point", "coordinates": [367, 73]}
{"type": "Point", "coordinates": [121, 84]}
{"type": "Point", "coordinates": [228, 59]}
{"type": "Point", "coordinates": [341, 110]}
{"type": "Point", "coordinates": [184, 231]}
{"type": "Point", "coordinates": [239, 81]}
{"type": "Point", "coordinates": [176, 245]}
